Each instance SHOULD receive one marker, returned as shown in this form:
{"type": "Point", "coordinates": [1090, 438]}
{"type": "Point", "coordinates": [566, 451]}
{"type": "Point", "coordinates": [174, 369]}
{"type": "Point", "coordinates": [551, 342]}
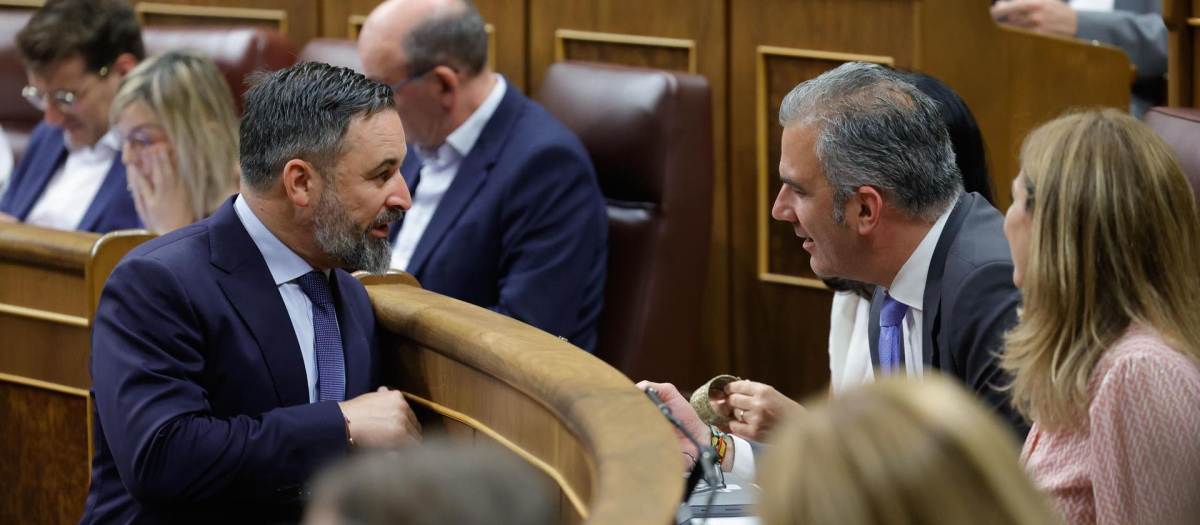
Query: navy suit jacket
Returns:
{"type": "Point", "coordinates": [523, 228]}
{"type": "Point", "coordinates": [970, 302]}
{"type": "Point", "coordinates": [111, 209]}
{"type": "Point", "coordinates": [201, 402]}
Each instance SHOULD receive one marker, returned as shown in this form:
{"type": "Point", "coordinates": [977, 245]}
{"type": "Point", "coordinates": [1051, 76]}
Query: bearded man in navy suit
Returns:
{"type": "Point", "coordinates": [233, 357]}
{"type": "Point", "coordinates": [507, 213]}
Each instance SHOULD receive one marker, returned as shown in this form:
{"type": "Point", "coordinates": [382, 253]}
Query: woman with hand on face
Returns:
{"type": "Point", "coordinates": [1104, 361]}
{"type": "Point", "coordinates": [178, 124]}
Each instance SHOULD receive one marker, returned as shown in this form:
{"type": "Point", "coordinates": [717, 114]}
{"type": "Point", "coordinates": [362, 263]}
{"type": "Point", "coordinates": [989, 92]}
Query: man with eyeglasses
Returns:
{"type": "Point", "coordinates": [507, 213]}
{"type": "Point", "coordinates": [71, 176]}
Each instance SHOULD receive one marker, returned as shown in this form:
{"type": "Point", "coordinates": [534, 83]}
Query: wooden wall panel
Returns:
{"type": "Point", "coordinates": [47, 453]}
{"type": "Point", "coordinates": [298, 19]}
{"type": "Point", "coordinates": [507, 52]}
{"type": "Point", "coordinates": [1183, 50]}
{"type": "Point", "coordinates": [683, 35]}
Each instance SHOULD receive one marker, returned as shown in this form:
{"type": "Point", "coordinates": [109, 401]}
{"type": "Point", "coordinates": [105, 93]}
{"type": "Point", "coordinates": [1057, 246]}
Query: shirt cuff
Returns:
{"type": "Point", "coordinates": [743, 460]}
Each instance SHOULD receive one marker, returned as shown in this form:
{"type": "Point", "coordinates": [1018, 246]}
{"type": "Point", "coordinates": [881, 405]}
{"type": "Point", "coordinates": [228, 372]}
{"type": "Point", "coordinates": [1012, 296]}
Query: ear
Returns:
{"type": "Point", "coordinates": [301, 182]}
{"type": "Point", "coordinates": [447, 84]}
{"type": "Point", "coordinates": [864, 208]}
{"type": "Point", "coordinates": [124, 64]}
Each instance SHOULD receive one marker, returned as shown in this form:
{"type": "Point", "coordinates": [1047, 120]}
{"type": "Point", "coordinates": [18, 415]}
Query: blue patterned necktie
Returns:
{"type": "Point", "coordinates": [327, 339]}
{"type": "Point", "coordinates": [891, 335]}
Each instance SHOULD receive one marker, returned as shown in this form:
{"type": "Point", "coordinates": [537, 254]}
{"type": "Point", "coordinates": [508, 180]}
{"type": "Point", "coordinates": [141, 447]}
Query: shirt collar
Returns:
{"type": "Point", "coordinates": [909, 285]}
{"type": "Point", "coordinates": [109, 143]}
{"type": "Point", "coordinates": [461, 140]}
{"type": "Point", "coordinates": [283, 263]}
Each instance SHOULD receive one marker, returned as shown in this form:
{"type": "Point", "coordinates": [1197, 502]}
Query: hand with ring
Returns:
{"type": "Point", "coordinates": [758, 408]}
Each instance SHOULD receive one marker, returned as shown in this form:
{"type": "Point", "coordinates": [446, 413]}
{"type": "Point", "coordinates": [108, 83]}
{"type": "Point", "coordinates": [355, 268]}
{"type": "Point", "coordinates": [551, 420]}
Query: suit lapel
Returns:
{"type": "Point", "coordinates": [42, 169]}
{"type": "Point", "coordinates": [931, 304]}
{"type": "Point", "coordinates": [355, 347]}
{"type": "Point", "coordinates": [470, 177]}
{"type": "Point", "coordinates": [113, 188]}
{"type": "Point", "coordinates": [251, 290]}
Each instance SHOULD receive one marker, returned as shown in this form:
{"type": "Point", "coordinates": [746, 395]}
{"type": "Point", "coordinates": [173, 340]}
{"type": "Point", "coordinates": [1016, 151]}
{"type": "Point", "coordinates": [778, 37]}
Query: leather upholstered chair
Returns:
{"type": "Point", "coordinates": [649, 134]}
{"type": "Point", "coordinates": [1180, 127]}
{"type": "Point", "coordinates": [332, 51]}
{"type": "Point", "coordinates": [238, 51]}
{"type": "Point", "coordinates": [17, 117]}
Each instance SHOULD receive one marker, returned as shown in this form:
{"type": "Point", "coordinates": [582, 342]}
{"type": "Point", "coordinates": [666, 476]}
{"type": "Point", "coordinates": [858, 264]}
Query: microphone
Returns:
{"type": "Point", "coordinates": [708, 456]}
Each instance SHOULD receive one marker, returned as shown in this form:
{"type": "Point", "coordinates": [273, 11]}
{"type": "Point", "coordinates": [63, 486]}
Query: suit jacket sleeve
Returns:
{"type": "Point", "coordinates": [148, 357]}
{"type": "Point", "coordinates": [1142, 34]}
{"type": "Point", "coordinates": [978, 315]}
{"type": "Point", "coordinates": [555, 234]}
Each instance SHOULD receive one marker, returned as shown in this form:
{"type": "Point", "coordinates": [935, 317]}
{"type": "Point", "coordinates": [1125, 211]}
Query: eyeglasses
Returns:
{"type": "Point", "coordinates": [64, 99]}
{"type": "Point", "coordinates": [417, 76]}
{"type": "Point", "coordinates": [144, 136]}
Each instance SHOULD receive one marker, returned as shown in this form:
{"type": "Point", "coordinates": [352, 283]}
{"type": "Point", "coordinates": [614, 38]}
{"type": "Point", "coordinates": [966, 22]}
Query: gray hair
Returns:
{"type": "Point", "coordinates": [875, 129]}
{"type": "Point", "coordinates": [458, 38]}
{"type": "Point", "coordinates": [303, 112]}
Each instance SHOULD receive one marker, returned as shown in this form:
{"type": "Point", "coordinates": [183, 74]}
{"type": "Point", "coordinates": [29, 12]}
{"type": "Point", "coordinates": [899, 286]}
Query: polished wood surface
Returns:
{"type": "Point", "coordinates": [1183, 52]}
{"type": "Point", "coordinates": [50, 281]}
{"type": "Point", "coordinates": [584, 425]}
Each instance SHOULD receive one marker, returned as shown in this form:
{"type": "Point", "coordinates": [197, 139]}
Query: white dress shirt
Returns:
{"type": "Point", "coordinates": [72, 188]}
{"type": "Point", "coordinates": [6, 161]}
{"type": "Point", "coordinates": [849, 342]}
{"type": "Point", "coordinates": [286, 267]}
{"type": "Point", "coordinates": [1092, 5]}
{"type": "Point", "coordinates": [438, 171]}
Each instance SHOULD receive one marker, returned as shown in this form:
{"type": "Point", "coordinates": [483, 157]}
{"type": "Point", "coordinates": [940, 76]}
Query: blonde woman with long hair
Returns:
{"type": "Point", "coordinates": [1104, 235]}
{"type": "Point", "coordinates": [899, 451]}
{"type": "Point", "coordinates": [178, 124]}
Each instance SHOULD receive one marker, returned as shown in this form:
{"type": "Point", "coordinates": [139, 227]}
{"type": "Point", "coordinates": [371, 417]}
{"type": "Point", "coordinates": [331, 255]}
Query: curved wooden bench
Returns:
{"type": "Point", "coordinates": [480, 374]}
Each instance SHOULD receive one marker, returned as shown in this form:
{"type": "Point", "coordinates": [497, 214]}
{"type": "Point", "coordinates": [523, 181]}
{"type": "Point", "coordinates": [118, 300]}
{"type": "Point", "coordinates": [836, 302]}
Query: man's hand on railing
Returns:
{"type": "Point", "coordinates": [381, 419]}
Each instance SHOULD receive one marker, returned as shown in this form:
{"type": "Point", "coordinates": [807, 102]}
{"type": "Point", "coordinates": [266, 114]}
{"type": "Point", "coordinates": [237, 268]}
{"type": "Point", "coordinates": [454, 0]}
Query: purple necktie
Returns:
{"type": "Point", "coordinates": [891, 335]}
{"type": "Point", "coordinates": [327, 339]}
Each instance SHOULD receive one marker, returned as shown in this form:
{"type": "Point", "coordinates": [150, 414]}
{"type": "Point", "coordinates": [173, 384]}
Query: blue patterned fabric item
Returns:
{"type": "Point", "coordinates": [331, 362]}
{"type": "Point", "coordinates": [891, 335]}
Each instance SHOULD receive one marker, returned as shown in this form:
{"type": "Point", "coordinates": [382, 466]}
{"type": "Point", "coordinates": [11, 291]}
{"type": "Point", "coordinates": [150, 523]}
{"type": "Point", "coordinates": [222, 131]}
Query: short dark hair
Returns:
{"type": "Point", "coordinates": [303, 112]}
{"type": "Point", "coordinates": [98, 31]}
{"type": "Point", "coordinates": [457, 39]}
{"type": "Point", "coordinates": [969, 151]}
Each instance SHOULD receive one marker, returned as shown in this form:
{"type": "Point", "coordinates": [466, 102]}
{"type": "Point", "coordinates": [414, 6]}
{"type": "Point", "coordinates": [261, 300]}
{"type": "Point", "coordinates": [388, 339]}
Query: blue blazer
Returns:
{"type": "Point", "coordinates": [522, 229]}
{"type": "Point", "coordinates": [111, 209]}
{"type": "Point", "coordinates": [970, 301]}
{"type": "Point", "coordinates": [200, 395]}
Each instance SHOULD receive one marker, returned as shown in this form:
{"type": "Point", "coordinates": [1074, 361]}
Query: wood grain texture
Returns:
{"type": "Point", "coordinates": [45, 456]}
{"type": "Point", "coordinates": [594, 430]}
{"type": "Point", "coordinates": [1183, 51]}
{"type": "Point", "coordinates": [706, 23]}
{"type": "Point", "coordinates": [302, 16]}
{"type": "Point", "coordinates": [45, 247]}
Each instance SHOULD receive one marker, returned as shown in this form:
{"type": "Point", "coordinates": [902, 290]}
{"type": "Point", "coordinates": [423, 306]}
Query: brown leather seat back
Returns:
{"type": "Point", "coordinates": [238, 51]}
{"type": "Point", "coordinates": [332, 51]}
{"type": "Point", "coordinates": [1180, 127]}
{"type": "Point", "coordinates": [649, 134]}
{"type": "Point", "coordinates": [17, 117]}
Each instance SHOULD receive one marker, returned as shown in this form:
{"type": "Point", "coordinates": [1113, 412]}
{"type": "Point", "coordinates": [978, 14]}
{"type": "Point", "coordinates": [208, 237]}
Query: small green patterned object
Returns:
{"type": "Point", "coordinates": [701, 403]}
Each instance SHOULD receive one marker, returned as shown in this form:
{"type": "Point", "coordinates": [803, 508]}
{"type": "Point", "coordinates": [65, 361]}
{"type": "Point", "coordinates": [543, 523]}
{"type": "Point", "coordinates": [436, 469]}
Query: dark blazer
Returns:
{"type": "Point", "coordinates": [522, 229]}
{"type": "Point", "coordinates": [970, 302]}
{"type": "Point", "coordinates": [111, 209]}
{"type": "Point", "coordinates": [201, 403]}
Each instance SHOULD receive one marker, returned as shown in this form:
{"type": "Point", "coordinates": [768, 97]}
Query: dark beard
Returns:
{"type": "Point", "coordinates": [340, 238]}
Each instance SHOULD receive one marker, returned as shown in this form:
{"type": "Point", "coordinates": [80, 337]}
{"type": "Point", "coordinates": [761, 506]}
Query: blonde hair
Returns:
{"type": "Point", "coordinates": [195, 107]}
{"type": "Point", "coordinates": [1113, 242]}
{"type": "Point", "coordinates": [899, 452]}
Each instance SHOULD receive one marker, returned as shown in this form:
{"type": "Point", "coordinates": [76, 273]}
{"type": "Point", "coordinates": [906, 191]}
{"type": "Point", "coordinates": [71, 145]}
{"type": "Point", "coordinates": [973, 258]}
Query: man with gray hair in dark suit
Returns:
{"type": "Point", "coordinates": [871, 188]}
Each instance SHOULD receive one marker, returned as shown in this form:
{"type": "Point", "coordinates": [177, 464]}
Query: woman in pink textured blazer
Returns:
{"type": "Point", "coordinates": [1105, 241]}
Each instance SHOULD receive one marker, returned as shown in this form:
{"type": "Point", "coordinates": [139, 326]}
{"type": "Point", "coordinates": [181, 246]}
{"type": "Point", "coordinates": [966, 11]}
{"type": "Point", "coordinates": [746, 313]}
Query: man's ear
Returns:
{"type": "Point", "coordinates": [124, 64]}
{"type": "Point", "coordinates": [864, 208]}
{"type": "Point", "coordinates": [301, 182]}
{"type": "Point", "coordinates": [447, 84]}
